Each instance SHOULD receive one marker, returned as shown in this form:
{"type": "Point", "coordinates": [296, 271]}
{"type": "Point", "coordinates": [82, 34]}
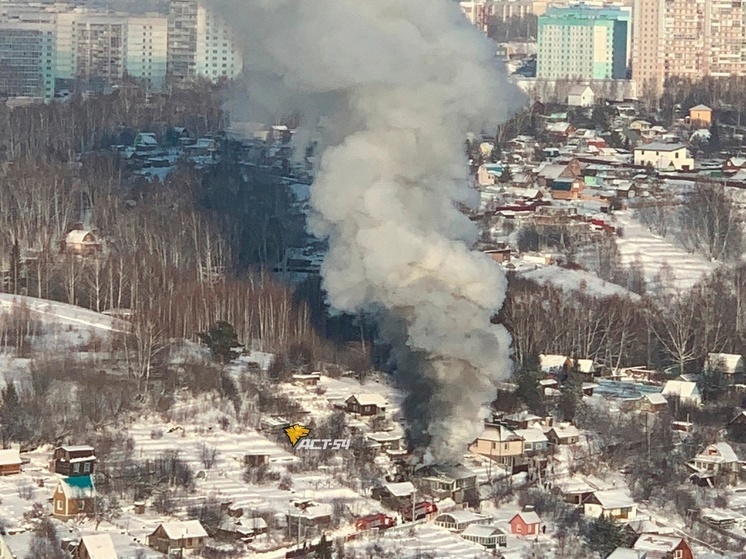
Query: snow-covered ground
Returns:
{"type": "Point", "coordinates": [578, 280]}
{"type": "Point", "coordinates": [652, 251]}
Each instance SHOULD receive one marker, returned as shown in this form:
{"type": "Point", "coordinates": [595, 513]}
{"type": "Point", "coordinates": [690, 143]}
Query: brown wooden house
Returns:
{"type": "Point", "coordinates": [81, 242]}
{"type": "Point", "coordinates": [74, 496]}
{"type": "Point", "coordinates": [10, 462]}
{"type": "Point", "coordinates": [366, 404]}
{"type": "Point", "coordinates": [73, 460]}
{"type": "Point", "coordinates": [188, 534]}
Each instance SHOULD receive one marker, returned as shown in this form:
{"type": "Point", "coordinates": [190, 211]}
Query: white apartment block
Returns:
{"type": "Point", "coordinates": [217, 55]}
{"type": "Point", "coordinates": [99, 50]}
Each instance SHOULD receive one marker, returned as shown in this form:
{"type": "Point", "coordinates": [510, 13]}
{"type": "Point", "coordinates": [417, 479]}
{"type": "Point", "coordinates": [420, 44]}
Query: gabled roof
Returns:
{"type": "Point", "coordinates": [369, 399]}
{"type": "Point", "coordinates": [78, 236]}
{"type": "Point", "coordinates": [655, 398]}
{"type": "Point", "coordinates": [184, 529]}
{"type": "Point", "coordinates": [612, 499]}
{"type": "Point", "coordinates": [498, 433]}
{"type": "Point", "coordinates": [10, 457]}
{"type": "Point", "coordinates": [77, 487]}
{"type": "Point", "coordinates": [527, 517]}
{"type": "Point", "coordinates": [586, 365]}
{"type": "Point", "coordinates": [657, 542]}
{"type": "Point", "coordinates": [531, 435]}
{"type": "Point", "coordinates": [728, 363]}
{"type": "Point", "coordinates": [99, 546]}
{"type": "Point", "coordinates": [552, 361]}
{"type": "Point", "coordinates": [579, 89]}
{"type": "Point", "coordinates": [680, 388]}
{"type": "Point", "coordinates": [719, 452]}
{"type": "Point", "coordinates": [700, 107]}
{"type": "Point", "coordinates": [565, 430]}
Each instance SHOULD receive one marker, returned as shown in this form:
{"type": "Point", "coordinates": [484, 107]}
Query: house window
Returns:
{"type": "Point", "coordinates": [76, 468]}
{"type": "Point", "coordinates": [519, 528]}
{"type": "Point", "coordinates": [678, 554]}
{"type": "Point", "coordinates": [81, 505]}
{"type": "Point", "coordinates": [59, 504]}
{"type": "Point", "coordinates": [506, 446]}
{"type": "Point", "coordinates": [87, 467]}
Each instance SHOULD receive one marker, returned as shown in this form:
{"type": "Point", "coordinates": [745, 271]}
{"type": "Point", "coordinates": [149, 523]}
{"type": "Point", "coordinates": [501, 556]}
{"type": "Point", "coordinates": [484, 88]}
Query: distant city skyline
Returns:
{"type": "Point", "coordinates": [47, 47]}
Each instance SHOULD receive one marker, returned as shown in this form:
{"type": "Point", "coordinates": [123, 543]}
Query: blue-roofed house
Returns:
{"type": "Point", "coordinates": [566, 188]}
{"type": "Point", "coordinates": [74, 496]}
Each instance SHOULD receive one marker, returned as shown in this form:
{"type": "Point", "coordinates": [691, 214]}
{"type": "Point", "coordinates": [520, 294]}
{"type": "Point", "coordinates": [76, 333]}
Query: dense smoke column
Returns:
{"type": "Point", "coordinates": [397, 85]}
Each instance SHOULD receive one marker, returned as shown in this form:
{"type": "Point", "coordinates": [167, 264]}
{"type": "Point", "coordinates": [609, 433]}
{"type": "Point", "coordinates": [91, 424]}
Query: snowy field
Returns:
{"type": "Point", "coordinates": [652, 251]}
{"type": "Point", "coordinates": [578, 280]}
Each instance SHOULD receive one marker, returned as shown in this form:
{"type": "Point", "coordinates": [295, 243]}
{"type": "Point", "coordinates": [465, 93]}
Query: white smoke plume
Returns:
{"type": "Point", "coordinates": [399, 84]}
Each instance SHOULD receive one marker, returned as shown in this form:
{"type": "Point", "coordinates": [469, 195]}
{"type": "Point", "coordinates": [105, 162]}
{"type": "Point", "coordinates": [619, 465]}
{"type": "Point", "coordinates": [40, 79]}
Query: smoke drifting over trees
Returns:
{"type": "Point", "coordinates": [398, 86]}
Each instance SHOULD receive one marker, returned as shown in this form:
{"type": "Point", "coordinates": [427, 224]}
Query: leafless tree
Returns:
{"type": "Point", "coordinates": [208, 455]}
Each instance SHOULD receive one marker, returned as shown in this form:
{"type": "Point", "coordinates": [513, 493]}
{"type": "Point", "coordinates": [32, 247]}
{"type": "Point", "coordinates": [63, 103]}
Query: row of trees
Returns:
{"type": "Point", "coordinates": [668, 327]}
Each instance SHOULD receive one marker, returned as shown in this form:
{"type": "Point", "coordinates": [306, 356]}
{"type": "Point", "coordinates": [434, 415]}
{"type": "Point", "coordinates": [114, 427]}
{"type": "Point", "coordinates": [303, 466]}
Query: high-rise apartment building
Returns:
{"type": "Point", "coordinates": [583, 42]}
{"type": "Point", "coordinates": [27, 59]}
{"type": "Point", "coordinates": [687, 38]}
{"type": "Point", "coordinates": [182, 38]}
{"type": "Point", "coordinates": [480, 12]}
{"type": "Point", "coordinates": [217, 56]}
{"type": "Point", "coordinates": [201, 43]}
{"type": "Point", "coordinates": [97, 50]}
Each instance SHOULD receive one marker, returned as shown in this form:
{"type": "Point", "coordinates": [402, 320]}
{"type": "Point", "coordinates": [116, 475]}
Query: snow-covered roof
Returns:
{"type": "Point", "coordinates": [77, 236]}
{"type": "Point", "coordinates": [655, 398]}
{"type": "Point", "coordinates": [728, 363]}
{"type": "Point", "coordinates": [529, 517]}
{"type": "Point", "coordinates": [613, 499]}
{"type": "Point", "coordinates": [257, 523]}
{"type": "Point", "coordinates": [737, 161]}
{"type": "Point", "coordinates": [482, 531]}
{"type": "Point", "coordinates": [579, 89]}
{"type": "Point", "coordinates": [680, 388]}
{"type": "Point", "coordinates": [10, 457]}
{"type": "Point", "coordinates": [402, 489]}
{"type": "Point", "coordinates": [552, 361]}
{"type": "Point", "coordinates": [719, 452]}
{"type": "Point", "coordinates": [369, 399]}
{"type": "Point", "coordinates": [660, 146]}
{"type": "Point", "coordinates": [531, 435]}
{"type": "Point", "coordinates": [99, 546]}
{"type": "Point", "coordinates": [586, 365]}
{"type": "Point", "coordinates": [184, 529]}
{"type": "Point", "coordinates": [498, 433]}
{"type": "Point", "coordinates": [78, 487]}
{"type": "Point", "coordinates": [462, 516]}
{"type": "Point", "coordinates": [313, 510]}
{"type": "Point", "coordinates": [560, 127]}
{"type": "Point", "coordinates": [657, 542]}
{"type": "Point", "coordinates": [626, 553]}
{"type": "Point", "coordinates": [77, 448]}
{"type": "Point", "coordinates": [564, 430]}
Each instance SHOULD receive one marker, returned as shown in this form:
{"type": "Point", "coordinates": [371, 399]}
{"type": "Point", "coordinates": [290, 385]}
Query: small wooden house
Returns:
{"type": "Point", "coordinates": [98, 546]}
{"type": "Point", "coordinates": [525, 524]}
{"type": "Point", "coordinates": [73, 460]}
{"type": "Point", "coordinates": [10, 462]}
{"type": "Point", "coordinates": [366, 404]}
{"type": "Point", "coordinates": [187, 534]}
{"type": "Point", "coordinates": [81, 242]}
{"type": "Point", "coordinates": [74, 496]}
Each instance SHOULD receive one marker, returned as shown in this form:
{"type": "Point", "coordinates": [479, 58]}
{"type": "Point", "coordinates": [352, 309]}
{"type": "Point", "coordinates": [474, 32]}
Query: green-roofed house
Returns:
{"type": "Point", "coordinates": [74, 496]}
